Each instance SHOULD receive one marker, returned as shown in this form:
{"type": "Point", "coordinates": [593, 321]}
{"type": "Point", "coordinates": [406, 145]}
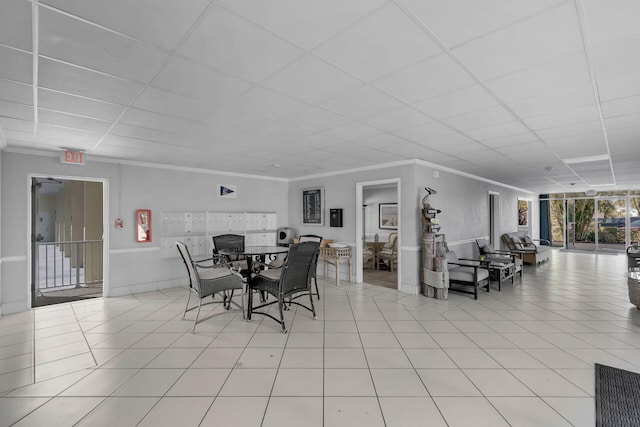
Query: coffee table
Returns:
{"type": "Point", "coordinates": [499, 271]}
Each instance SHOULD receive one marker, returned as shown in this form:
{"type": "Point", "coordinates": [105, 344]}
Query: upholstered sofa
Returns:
{"type": "Point", "coordinates": [520, 243]}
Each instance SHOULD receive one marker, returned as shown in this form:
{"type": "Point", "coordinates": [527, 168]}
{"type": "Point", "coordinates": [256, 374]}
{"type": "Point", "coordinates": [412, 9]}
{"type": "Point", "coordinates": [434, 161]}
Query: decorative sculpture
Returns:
{"type": "Point", "coordinates": [435, 275]}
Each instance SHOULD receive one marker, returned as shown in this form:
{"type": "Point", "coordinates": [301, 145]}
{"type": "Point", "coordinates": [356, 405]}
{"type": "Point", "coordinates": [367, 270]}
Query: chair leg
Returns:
{"type": "Point", "coordinates": [313, 308]}
{"type": "Point", "coordinates": [315, 281]}
{"type": "Point", "coordinates": [244, 317]}
{"type": "Point", "coordinates": [249, 303]}
{"type": "Point", "coordinates": [186, 306]}
{"type": "Point", "coordinates": [195, 321]}
{"type": "Point", "coordinates": [280, 307]}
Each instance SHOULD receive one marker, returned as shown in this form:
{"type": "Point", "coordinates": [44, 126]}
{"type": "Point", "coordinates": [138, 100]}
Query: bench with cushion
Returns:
{"type": "Point", "coordinates": [520, 243]}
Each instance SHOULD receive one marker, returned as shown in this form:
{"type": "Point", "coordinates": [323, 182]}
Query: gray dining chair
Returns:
{"type": "Point", "coordinates": [208, 278]}
{"type": "Point", "coordinates": [287, 284]}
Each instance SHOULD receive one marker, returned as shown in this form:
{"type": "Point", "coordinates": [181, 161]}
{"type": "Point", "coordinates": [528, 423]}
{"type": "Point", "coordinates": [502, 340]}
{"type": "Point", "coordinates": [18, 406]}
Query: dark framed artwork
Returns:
{"type": "Point", "coordinates": [313, 206]}
{"type": "Point", "coordinates": [388, 216]}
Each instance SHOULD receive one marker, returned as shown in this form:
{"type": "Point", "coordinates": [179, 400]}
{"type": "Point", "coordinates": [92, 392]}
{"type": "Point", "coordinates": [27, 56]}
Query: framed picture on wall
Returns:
{"type": "Point", "coordinates": [388, 216]}
{"type": "Point", "coordinates": [313, 206]}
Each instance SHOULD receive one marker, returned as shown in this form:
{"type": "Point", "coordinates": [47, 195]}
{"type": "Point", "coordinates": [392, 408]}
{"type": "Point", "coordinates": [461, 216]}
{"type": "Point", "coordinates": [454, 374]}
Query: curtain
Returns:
{"type": "Point", "coordinates": [545, 218]}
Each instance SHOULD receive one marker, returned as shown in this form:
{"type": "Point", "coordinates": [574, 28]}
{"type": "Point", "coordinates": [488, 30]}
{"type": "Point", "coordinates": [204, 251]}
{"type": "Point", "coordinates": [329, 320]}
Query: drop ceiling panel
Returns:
{"type": "Point", "coordinates": [164, 23]}
{"type": "Point", "coordinates": [76, 42]}
{"type": "Point", "coordinates": [72, 121]}
{"type": "Point", "coordinates": [608, 23]}
{"type": "Point", "coordinates": [281, 132]}
{"type": "Point", "coordinates": [457, 102]}
{"type": "Point", "coordinates": [619, 122]}
{"type": "Point", "coordinates": [78, 105]}
{"type": "Point", "coordinates": [543, 79]}
{"type": "Point", "coordinates": [59, 138]}
{"type": "Point", "coordinates": [561, 118]}
{"type": "Point", "coordinates": [194, 80]}
{"type": "Point", "coordinates": [79, 81]}
{"type": "Point", "coordinates": [497, 131]}
{"type": "Point", "coordinates": [381, 43]}
{"type": "Point", "coordinates": [15, 110]}
{"type": "Point", "coordinates": [137, 117]}
{"type": "Point", "coordinates": [398, 118]}
{"type": "Point", "coordinates": [9, 124]}
{"type": "Point", "coordinates": [480, 118]}
{"type": "Point", "coordinates": [15, 65]}
{"type": "Point", "coordinates": [172, 104]}
{"type": "Point", "coordinates": [304, 22]}
{"type": "Point", "coordinates": [571, 97]}
{"type": "Point", "coordinates": [511, 140]}
{"type": "Point", "coordinates": [351, 131]}
{"type": "Point", "coordinates": [362, 102]}
{"type": "Point", "coordinates": [265, 103]}
{"type": "Point", "coordinates": [236, 118]}
{"type": "Point", "coordinates": [312, 80]}
{"type": "Point", "coordinates": [454, 139]}
{"type": "Point", "coordinates": [434, 76]}
{"type": "Point", "coordinates": [146, 134]}
{"type": "Point", "coordinates": [316, 119]}
{"type": "Point", "coordinates": [621, 107]}
{"type": "Point", "coordinates": [457, 21]}
{"type": "Point", "coordinates": [317, 141]}
{"type": "Point", "coordinates": [425, 132]}
{"type": "Point", "coordinates": [15, 24]}
{"type": "Point", "coordinates": [234, 46]}
{"type": "Point", "coordinates": [543, 37]}
{"type": "Point", "coordinates": [16, 92]}
{"type": "Point", "coordinates": [570, 130]}
{"type": "Point", "coordinates": [617, 67]}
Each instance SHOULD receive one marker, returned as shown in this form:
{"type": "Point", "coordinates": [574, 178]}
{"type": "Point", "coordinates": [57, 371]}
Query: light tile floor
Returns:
{"type": "Point", "coordinates": [520, 357]}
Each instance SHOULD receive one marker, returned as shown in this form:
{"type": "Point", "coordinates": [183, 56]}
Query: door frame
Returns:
{"type": "Point", "coordinates": [360, 221]}
{"type": "Point", "coordinates": [105, 229]}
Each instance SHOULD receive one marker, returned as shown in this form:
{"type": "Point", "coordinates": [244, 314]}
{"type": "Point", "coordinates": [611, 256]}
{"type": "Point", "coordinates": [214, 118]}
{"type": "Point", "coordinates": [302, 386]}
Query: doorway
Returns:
{"type": "Point", "coordinates": [494, 218]}
{"type": "Point", "coordinates": [378, 224]}
{"type": "Point", "coordinates": [67, 256]}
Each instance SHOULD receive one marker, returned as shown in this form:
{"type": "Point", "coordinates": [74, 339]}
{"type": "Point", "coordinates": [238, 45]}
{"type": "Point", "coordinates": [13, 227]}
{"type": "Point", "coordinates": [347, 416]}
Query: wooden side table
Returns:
{"type": "Point", "coordinates": [335, 256]}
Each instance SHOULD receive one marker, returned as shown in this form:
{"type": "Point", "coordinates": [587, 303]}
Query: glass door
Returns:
{"type": "Point", "coordinates": [570, 225]}
{"type": "Point", "coordinates": [611, 227]}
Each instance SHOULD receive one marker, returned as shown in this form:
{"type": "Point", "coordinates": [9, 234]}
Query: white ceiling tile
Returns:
{"type": "Point", "coordinates": [381, 141]}
{"type": "Point", "coordinates": [172, 104]}
{"type": "Point", "coordinates": [15, 24]}
{"type": "Point", "coordinates": [16, 111]}
{"type": "Point", "coordinates": [191, 79]}
{"type": "Point", "coordinates": [265, 103]}
{"type": "Point", "coordinates": [351, 131]}
{"type": "Point", "coordinates": [65, 137]}
{"type": "Point", "coordinates": [312, 80]}
{"type": "Point", "coordinates": [22, 138]}
{"type": "Point", "coordinates": [16, 92]}
{"type": "Point", "coordinates": [79, 81]}
{"type": "Point", "coordinates": [316, 119]}
{"type": "Point", "coordinates": [518, 148]}
{"type": "Point", "coordinates": [611, 21]}
{"type": "Point", "coordinates": [317, 141]}
{"type": "Point", "coordinates": [456, 21]}
{"type": "Point", "coordinates": [76, 42]}
{"type": "Point", "coordinates": [428, 78]}
{"type": "Point", "coordinates": [237, 47]}
{"type": "Point", "coordinates": [142, 133]}
{"type": "Point", "coordinates": [438, 142]}
{"type": "Point", "coordinates": [15, 65]}
{"type": "Point", "coordinates": [162, 23]}
{"type": "Point", "coordinates": [457, 102]}
{"type": "Point", "coordinates": [398, 118]}
{"type": "Point", "coordinates": [480, 118]}
{"type": "Point", "coordinates": [383, 42]}
{"type": "Point", "coordinates": [511, 140]}
{"type": "Point", "coordinates": [362, 102]}
{"type": "Point", "coordinates": [78, 105]}
{"type": "Point", "coordinates": [621, 106]}
{"type": "Point", "coordinates": [10, 124]}
{"type": "Point", "coordinates": [72, 121]}
{"type": "Point", "coordinates": [425, 132]}
{"type": "Point", "coordinates": [571, 97]}
{"type": "Point", "coordinates": [548, 78]}
{"type": "Point", "coordinates": [578, 145]}
{"type": "Point", "coordinates": [561, 118]}
{"type": "Point", "coordinates": [497, 131]}
{"type": "Point", "coordinates": [617, 67]}
{"type": "Point", "coordinates": [137, 117]}
{"type": "Point", "coordinates": [281, 132]}
{"type": "Point", "coordinates": [236, 118]}
{"type": "Point", "coordinates": [552, 34]}
{"type": "Point", "coordinates": [629, 120]}
{"type": "Point", "coordinates": [303, 22]}
{"type": "Point", "coordinates": [570, 130]}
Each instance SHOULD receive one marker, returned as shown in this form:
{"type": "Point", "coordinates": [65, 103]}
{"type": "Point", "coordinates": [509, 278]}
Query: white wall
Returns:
{"type": "Point", "coordinates": [1, 227]}
{"type": "Point", "coordinates": [133, 267]}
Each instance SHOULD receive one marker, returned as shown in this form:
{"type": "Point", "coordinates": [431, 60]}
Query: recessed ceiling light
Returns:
{"type": "Point", "coordinates": [548, 168]}
{"type": "Point", "coordinates": [587, 159]}
{"type": "Point", "coordinates": [276, 165]}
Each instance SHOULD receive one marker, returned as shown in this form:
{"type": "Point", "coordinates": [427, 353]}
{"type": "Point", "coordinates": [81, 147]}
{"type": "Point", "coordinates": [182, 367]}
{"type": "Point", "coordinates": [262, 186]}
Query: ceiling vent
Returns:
{"type": "Point", "coordinates": [591, 192]}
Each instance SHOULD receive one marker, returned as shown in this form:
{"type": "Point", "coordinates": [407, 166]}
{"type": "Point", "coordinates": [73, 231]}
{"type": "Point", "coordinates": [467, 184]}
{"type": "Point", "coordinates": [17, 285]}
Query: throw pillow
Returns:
{"type": "Point", "coordinates": [528, 240]}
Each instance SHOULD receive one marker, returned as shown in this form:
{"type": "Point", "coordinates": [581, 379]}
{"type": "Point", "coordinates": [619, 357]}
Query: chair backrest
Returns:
{"type": "Point", "coordinates": [392, 243]}
{"type": "Point", "coordinates": [484, 247]}
{"type": "Point", "coordinates": [297, 271]}
{"type": "Point", "coordinates": [310, 238]}
{"type": "Point", "coordinates": [194, 278]}
{"type": "Point", "coordinates": [229, 242]}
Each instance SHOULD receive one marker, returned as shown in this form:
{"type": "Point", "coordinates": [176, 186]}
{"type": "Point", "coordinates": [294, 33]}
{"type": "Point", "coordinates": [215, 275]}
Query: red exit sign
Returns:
{"type": "Point", "coordinates": [72, 157]}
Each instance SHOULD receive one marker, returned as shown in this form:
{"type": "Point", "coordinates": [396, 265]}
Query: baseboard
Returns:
{"type": "Point", "coordinates": [144, 287]}
{"type": "Point", "coordinates": [410, 289]}
{"type": "Point", "coordinates": [13, 307]}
